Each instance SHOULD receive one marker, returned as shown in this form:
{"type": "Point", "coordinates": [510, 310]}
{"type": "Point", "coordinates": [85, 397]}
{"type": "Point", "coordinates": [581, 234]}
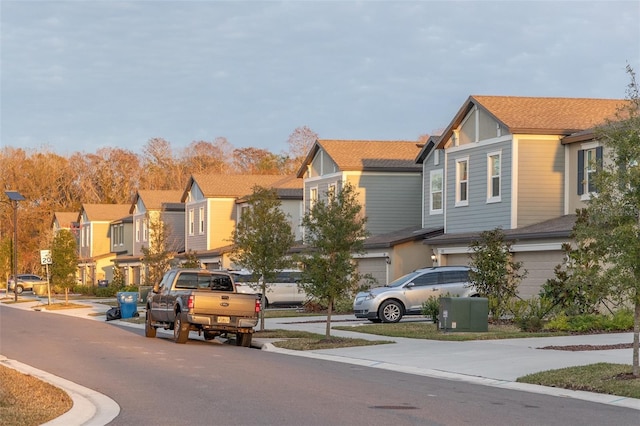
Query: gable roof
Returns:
{"type": "Point", "coordinates": [104, 212]}
{"type": "Point", "coordinates": [65, 219]}
{"type": "Point", "coordinates": [156, 199]}
{"type": "Point", "coordinates": [543, 116]}
{"type": "Point", "coordinates": [228, 186]}
{"type": "Point", "coordinates": [366, 155]}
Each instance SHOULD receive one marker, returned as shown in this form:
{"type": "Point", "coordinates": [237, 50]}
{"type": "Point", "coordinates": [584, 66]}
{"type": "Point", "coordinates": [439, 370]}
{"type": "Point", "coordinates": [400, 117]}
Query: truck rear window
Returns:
{"type": "Point", "coordinates": [203, 281]}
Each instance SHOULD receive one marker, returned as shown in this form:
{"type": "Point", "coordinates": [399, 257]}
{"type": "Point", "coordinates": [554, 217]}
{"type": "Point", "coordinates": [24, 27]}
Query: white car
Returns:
{"type": "Point", "coordinates": [284, 291]}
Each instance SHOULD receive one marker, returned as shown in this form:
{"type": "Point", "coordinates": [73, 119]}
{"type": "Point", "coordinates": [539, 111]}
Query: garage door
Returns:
{"type": "Point", "coordinates": [376, 267]}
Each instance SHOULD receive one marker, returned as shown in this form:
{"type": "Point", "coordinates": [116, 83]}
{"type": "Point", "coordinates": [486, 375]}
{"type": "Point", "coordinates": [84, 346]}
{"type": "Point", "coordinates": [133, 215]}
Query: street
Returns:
{"type": "Point", "coordinates": [158, 382]}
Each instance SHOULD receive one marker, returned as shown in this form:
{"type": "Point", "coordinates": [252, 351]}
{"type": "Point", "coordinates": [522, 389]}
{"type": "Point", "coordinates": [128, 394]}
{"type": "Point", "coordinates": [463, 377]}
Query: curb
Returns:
{"type": "Point", "coordinates": [90, 408]}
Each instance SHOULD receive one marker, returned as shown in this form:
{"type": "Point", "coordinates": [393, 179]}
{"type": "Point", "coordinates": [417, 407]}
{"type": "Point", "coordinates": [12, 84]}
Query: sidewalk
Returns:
{"type": "Point", "coordinates": [495, 363]}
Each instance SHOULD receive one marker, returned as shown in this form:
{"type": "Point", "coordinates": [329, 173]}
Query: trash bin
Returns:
{"type": "Point", "coordinates": [128, 303]}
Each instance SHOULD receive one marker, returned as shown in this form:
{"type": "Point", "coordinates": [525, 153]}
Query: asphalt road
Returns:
{"type": "Point", "coordinates": [158, 382]}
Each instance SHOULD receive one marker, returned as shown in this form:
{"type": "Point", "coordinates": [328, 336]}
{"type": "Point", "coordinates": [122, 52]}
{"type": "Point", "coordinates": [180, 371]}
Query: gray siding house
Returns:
{"type": "Point", "coordinates": [506, 164]}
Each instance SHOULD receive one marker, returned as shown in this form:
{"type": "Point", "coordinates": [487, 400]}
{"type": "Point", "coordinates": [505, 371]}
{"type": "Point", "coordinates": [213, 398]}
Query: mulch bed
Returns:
{"type": "Point", "coordinates": [589, 347]}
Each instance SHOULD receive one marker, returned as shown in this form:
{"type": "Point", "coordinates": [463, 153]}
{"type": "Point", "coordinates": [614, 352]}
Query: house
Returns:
{"type": "Point", "coordinates": [389, 185]}
{"type": "Point", "coordinates": [95, 252]}
{"type": "Point", "coordinates": [213, 204]}
{"type": "Point", "coordinates": [502, 163]}
{"type": "Point", "coordinates": [65, 220]}
{"type": "Point", "coordinates": [129, 235]}
{"type": "Point", "coordinates": [383, 173]}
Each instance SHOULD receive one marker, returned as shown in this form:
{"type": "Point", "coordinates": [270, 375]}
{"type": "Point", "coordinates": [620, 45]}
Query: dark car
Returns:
{"type": "Point", "coordinates": [25, 282]}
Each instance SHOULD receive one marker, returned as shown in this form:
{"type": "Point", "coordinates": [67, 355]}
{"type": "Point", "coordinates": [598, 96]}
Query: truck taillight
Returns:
{"type": "Point", "coordinates": [257, 306]}
{"type": "Point", "coordinates": [190, 302]}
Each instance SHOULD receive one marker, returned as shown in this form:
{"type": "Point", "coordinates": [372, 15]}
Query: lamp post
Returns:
{"type": "Point", "coordinates": [14, 197]}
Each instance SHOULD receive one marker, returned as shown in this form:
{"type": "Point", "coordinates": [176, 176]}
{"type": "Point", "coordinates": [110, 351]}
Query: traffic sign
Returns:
{"type": "Point", "coordinates": [45, 257]}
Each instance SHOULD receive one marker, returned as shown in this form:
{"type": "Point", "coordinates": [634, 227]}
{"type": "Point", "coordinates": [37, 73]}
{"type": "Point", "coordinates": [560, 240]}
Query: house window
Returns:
{"type": "Point", "coordinates": [436, 191]}
{"type": "Point", "coordinates": [121, 234]}
{"type": "Point", "coordinates": [201, 219]}
{"type": "Point", "coordinates": [493, 177]}
{"type": "Point", "coordinates": [331, 191]}
{"type": "Point", "coordinates": [436, 157]}
{"type": "Point", "coordinates": [313, 198]}
{"type": "Point", "coordinates": [191, 222]}
{"type": "Point", "coordinates": [145, 229]}
{"type": "Point", "coordinates": [588, 161]}
{"type": "Point", "coordinates": [138, 230]}
{"type": "Point", "coordinates": [462, 182]}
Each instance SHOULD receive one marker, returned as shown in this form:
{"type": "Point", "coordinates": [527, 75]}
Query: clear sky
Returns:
{"type": "Point", "coordinates": [80, 75]}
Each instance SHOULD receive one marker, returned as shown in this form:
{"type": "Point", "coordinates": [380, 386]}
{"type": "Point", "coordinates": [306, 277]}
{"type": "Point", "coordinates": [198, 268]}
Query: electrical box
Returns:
{"type": "Point", "coordinates": [464, 314]}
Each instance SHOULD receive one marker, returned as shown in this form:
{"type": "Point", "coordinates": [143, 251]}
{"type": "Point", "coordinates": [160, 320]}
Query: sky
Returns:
{"type": "Point", "coordinates": [77, 76]}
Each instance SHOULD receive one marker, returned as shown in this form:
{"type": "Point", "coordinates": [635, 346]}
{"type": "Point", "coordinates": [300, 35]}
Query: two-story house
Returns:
{"type": "Point", "coordinates": [94, 249]}
{"type": "Point", "coordinates": [500, 163]}
{"type": "Point", "coordinates": [213, 205]}
{"type": "Point", "coordinates": [149, 210]}
{"type": "Point", "coordinates": [389, 186]}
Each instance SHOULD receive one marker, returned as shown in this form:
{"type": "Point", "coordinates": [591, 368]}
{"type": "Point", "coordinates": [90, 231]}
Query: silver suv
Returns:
{"type": "Point", "coordinates": [25, 282]}
{"type": "Point", "coordinates": [405, 295]}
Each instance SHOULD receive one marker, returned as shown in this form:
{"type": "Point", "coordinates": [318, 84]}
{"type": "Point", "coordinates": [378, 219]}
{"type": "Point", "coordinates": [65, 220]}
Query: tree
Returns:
{"type": "Point", "coordinates": [578, 287]}
{"type": "Point", "coordinates": [300, 142]}
{"type": "Point", "coordinates": [191, 260]}
{"type": "Point", "coordinates": [157, 256]}
{"type": "Point", "coordinates": [334, 231]}
{"type": "Point", "coordinates": [262, 239]}
{"type": "Point", "coordinates": [493, 272]}
{"type": "Point", "coordinates": [613, 211]}
{"type": "Point", "coordinates": [64, 258]}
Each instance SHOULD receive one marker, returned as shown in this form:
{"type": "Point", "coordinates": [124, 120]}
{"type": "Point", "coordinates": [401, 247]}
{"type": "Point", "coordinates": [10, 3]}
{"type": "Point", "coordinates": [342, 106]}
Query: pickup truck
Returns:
{"type": "Point", "coordinates": [203, 301]}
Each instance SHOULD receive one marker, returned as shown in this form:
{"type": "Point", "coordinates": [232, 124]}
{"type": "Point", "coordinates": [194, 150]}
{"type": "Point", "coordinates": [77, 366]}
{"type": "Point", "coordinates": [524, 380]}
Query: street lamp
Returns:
{"type": "Point", "coordinates": [14, 197]}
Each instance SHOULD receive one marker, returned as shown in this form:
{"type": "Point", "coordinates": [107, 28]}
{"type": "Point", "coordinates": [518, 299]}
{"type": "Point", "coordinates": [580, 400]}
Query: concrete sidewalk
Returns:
{"type": "Point", "coordinates": [490, 362]}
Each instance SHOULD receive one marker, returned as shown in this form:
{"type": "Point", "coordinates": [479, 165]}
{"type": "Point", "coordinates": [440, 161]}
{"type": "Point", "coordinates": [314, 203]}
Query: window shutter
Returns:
{"type": "Point", "coordinates": [581, 172]}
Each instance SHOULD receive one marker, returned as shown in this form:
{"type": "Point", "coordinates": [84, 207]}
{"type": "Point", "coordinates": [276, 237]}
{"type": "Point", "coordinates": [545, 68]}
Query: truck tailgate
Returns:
{"type": "Point", "coordinates": [229, 304]}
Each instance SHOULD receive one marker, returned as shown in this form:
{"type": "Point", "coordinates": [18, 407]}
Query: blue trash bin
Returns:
{"type": "Point", "coordinates": [128, 303]}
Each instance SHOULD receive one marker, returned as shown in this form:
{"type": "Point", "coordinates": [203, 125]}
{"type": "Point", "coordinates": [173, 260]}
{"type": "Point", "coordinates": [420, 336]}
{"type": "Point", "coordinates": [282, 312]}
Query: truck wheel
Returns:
{"type": "Point", "coordinates": [181, 328]}
{"type": "Point", "coordinates": [19, 289]}
{"type": "Point", "coordinates": [149, 330]}
{"type": "Point", "coordinates": [390, 311]}
{"type": "Point", "coordinates": [243, 339]}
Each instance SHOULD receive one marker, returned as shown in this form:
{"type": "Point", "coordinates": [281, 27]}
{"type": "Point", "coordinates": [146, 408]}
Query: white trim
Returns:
{"type": "Point", "coordinates": [516, 248]}
{"type": "Point", "coordinates": [458, 201]}
{"type": "Point", "coordinates": [515, 173]}
{"type": "Point", "coordinates": [370, 255]}
{"type": "Point", "coordinates": [433, 211]}
{"type": "Point", "coordinates": [490, 197]}
{"type": "Point", "coordinates": [482, 143]}
{"type": "Point", "coordinates": [322, 177]}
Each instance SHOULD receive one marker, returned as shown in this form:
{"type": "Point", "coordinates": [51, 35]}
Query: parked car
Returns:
{"type": "Point", "coordinates": [25, 282]}
{"type": "Point", "coordinates": [283, 291]}
{"type": "Point", "coordinates": [406, 295]}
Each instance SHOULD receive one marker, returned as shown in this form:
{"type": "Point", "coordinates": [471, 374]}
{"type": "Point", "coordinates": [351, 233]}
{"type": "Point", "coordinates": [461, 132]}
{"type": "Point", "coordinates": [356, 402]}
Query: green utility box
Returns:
{"type": "Point", "coordinates": [464, 314]}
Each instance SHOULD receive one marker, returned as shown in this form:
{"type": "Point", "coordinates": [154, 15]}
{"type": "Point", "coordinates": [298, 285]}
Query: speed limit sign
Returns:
{"type": "Point", "coordinates": [45, 257]}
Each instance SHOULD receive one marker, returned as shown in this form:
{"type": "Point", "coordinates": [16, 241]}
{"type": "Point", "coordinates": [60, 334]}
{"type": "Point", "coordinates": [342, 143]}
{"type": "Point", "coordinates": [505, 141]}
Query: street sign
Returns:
{"type": "Point", "coordinates": [45, 257]}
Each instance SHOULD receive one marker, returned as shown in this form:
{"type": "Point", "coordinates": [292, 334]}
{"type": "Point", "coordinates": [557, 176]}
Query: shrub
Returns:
{"type": "Point", "coordinates": [530, 314]}
{"type": "Point", "coordinates": [431, 308]}
{"type": "Point", "coordinates": [620, 321]}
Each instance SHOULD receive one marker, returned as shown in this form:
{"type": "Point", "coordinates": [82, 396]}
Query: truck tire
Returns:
{"type": "Point", "coordinates": [19, 289]}
{"type": "Point", "coordinates": [149, 330]}
{"type": "Point", "coordinates": [243, 339]}
{"type": "Point", "coordinates": [181, 328]}
{"type": "Point", "coordinates": [390, 311]}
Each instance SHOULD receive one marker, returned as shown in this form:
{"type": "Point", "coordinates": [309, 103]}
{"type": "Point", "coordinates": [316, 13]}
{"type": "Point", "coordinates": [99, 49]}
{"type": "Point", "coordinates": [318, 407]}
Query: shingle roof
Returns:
{"type": "Point", "coordinates": [367, 155]}
{"type": "Point", "coordinates": [105, 212]}
{"type": "Point", "coordinates": [157, 199]}
{"type": "Point", "coordinates": [539, 115]}
{"type": "Point", "coordinates": [231, 185]}
{"type": "Point", "coordinates": [65, 219]}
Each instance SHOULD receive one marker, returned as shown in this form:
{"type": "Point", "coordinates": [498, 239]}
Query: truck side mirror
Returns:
{"type": "Point", "coordinates": [156, 288]}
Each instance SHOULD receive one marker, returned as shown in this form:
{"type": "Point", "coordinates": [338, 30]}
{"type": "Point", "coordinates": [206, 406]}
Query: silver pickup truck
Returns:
{"type": "Point", "coordinates": [203, 301]}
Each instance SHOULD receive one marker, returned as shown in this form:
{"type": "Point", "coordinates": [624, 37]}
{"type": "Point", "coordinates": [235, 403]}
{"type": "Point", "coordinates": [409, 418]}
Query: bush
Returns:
{"type": "Point", "coordinates": [431, 308]}
{"type": "Point", "coordinates": [620, 321]}
{"type": "Point", "coordinates": [530, 314]}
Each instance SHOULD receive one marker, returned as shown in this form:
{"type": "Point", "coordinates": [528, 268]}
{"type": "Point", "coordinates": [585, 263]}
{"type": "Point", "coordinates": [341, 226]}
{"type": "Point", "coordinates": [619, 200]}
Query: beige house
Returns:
{"type": "Point", "coordinates": [213, 205]}
{"type": "Point", "coordinates": [94, 248]}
